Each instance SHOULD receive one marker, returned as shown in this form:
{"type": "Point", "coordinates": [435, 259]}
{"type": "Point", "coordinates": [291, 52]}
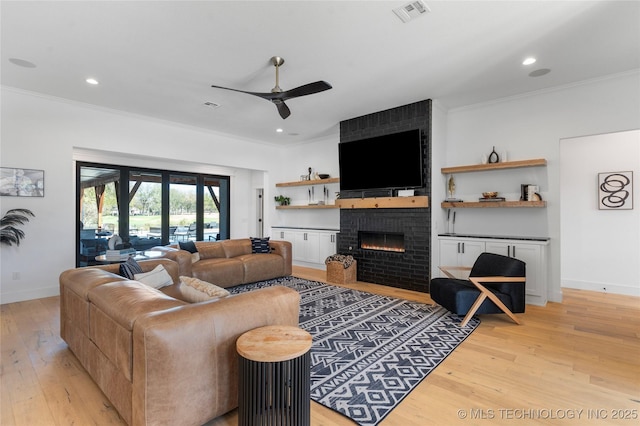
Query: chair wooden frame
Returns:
{"type": "Point", "coordinates": [484, 292]}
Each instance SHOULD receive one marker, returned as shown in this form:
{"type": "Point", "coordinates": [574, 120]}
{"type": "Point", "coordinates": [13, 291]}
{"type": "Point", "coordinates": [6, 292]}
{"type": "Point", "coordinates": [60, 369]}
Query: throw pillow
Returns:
{"type": "Point", "coordinates": [129, 268]}
{"type": "Point", "coordinates": [157, 278]}
{"type": "Point", "coordinates": [260, 245]}
{"type": "Point", "coordinates": [189, 246]}
{"type": "Point", "coordinates": [194, 290]}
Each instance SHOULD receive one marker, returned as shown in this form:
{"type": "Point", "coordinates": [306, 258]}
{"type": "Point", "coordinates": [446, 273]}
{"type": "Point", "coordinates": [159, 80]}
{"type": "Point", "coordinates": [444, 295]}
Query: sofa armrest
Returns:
{"type": "Point", "coordinates": [181, 257]}
{"type": "Point", "coordinates": [185, 364]}
{"type": "Point", "coordinates": [283, 248]}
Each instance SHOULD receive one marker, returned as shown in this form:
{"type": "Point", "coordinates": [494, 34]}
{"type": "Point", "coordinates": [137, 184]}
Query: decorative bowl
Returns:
{"type": "Point", "coordinates": [491, 194]}
{"type": "Point", "coordinates": [323, 176]}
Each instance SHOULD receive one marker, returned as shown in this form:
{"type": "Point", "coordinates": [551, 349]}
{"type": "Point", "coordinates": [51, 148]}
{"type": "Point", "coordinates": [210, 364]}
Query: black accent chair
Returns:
{"type": "Point", "coordinates": [496, 285]}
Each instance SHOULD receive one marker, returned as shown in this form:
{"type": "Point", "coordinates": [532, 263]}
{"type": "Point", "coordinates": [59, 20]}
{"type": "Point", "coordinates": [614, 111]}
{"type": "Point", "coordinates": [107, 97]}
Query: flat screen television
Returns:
{"type": "Point", "coordinates": [391, 161]}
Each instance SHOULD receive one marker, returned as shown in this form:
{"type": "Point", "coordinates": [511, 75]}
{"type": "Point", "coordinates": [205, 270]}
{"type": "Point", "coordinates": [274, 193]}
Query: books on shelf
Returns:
{"type": "Point", "coordinates": [492, 199]}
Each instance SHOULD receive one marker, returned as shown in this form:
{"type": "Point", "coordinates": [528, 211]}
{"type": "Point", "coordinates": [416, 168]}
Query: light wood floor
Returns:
{"type": "Point", "coordinates": [574, 363]}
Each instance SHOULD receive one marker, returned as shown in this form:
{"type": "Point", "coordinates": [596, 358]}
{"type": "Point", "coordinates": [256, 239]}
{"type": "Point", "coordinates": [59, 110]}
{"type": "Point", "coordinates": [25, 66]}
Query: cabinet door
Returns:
{"type": "Point", "coordinates": [459, 252]}
{"type": "Point", "coordinates": [449, 253]}
{"type": "Point", "coordinates": [327, 245]}
{"type": "Point", "coordinates": [299, 245]}
{"type": "Point", "coordinates": [531, 254]}
{"type": "Point", "coordinates": [312, 247]}
{"type": "Point", "coordinates": [470, 250]}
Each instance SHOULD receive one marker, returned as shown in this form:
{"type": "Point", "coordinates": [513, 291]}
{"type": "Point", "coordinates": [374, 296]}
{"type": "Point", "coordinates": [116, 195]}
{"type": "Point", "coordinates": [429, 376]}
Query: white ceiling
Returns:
{"type": "Point", "coordinates": [159, 58]}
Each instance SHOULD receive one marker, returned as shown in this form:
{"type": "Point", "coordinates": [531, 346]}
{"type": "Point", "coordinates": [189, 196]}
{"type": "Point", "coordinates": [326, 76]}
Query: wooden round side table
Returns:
{"type": "Point", "coordinates": [274, 370]}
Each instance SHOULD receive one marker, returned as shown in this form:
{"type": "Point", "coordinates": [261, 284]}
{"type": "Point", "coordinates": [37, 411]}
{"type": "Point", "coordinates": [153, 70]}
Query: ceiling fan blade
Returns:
{"type": "Point", "coordinates": [283, 109]}
{"type": "Point", "coordinates": [264, 95]}
{"type": "Point", "coordinates": [307, 89]}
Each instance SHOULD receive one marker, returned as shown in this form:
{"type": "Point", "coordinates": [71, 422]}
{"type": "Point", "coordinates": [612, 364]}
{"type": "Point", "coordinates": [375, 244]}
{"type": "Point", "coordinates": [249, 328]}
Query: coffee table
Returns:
{"type": "Point", "coordinates": [274, 376]}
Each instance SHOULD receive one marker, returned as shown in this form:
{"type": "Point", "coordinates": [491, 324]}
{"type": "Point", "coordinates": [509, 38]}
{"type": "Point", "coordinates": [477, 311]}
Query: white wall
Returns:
{"type": "Point", "coordinates": [44, 133]}
{"type": "Point", "coordinates": [527, 127]}
{"type": "Point", "coordinates": [600, 248]}
{"type": "Point", "coordinates": [322, 156]}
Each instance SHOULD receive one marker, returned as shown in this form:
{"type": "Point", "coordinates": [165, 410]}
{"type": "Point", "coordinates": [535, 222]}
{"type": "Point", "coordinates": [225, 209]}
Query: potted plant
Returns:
{"type": "Point", "coordinates": [282, 200]}
{"type": "Point", "coordinates": [9, 233]}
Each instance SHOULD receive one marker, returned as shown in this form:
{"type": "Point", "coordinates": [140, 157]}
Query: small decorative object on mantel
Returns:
{"type": "Point", "coordinates": [491, 196]}
{"type": "Point", "coordinates": [494, 157]}
{"type": "Point", "coordinates": [451, 189]}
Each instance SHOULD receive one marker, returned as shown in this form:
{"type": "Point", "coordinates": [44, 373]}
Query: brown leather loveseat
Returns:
{"type": "Point", "coordinates": [159, 359]}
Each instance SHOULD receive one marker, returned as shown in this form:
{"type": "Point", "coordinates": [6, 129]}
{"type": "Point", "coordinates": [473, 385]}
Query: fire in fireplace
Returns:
{"type": "Point", "coordinates": [381, 241]}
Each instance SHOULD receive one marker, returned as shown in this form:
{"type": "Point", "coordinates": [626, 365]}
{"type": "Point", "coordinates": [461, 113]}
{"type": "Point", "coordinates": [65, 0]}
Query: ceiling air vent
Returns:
{"type": "Point", "coordinates": [212, 105]}
{"type": "Point", "coordinates": [411, 10]}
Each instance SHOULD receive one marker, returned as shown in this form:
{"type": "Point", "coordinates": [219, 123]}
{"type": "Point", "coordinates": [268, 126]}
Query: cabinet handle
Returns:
{"type": "Point", "coordinates": [508, 251]}
{"type": "Point", "coordinates": [458, 247]}
{"type": "Point", "coordinates": [282, 235]}
{"type": "Point", "coordinates": [462, 248]}
{"type": "Point", "coordinates": [514, 251]}
{"type": "Point", "coordinates": [305, 236]}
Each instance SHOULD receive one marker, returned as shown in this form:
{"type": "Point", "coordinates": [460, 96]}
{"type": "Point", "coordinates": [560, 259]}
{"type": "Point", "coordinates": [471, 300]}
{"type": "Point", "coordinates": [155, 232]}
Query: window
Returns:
{"type": "Point", "coordinates": [160, 207]}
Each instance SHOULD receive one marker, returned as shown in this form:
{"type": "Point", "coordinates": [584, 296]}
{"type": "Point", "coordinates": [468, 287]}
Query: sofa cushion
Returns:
{"type": "Point", "coordinates": [158, 277]}
{"type": "Point", "coordinates": [258, 266]}
{"type": "Point", "coordinates": [194, 290]}
{"type": "Point", "coordinates": [189, 246]}
{"type": "Point", "coordinates": [129, 268]}
{"type": "Point", "coordinates": [234, 248]}
{"type": "Point", "coordinates": [221, 272]}
{"type": "Point", "coordinates": [260, 245]}
{"type": "Point", "coordinates": [210, 250]}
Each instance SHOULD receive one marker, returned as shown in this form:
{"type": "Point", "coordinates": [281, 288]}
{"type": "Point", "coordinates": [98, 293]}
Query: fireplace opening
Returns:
{"type": "Point", "coordinates": [381, 241]}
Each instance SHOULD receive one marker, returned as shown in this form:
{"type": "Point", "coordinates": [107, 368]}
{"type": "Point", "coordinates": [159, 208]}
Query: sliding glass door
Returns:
{"type": "Point", "coordinates": [158, 208]}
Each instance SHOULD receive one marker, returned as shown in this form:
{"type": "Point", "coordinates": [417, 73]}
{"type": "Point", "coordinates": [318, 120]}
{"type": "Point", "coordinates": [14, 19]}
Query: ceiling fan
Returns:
{"type": "Point", "coordinates": [278, 96]}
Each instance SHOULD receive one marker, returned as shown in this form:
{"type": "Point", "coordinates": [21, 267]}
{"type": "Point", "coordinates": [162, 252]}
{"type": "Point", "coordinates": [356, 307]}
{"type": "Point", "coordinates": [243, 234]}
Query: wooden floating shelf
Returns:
{"type": "Point", "coordinates": [491, 204]}
{"type": "Point", "coordinates": [420, 201]}
{"type": "Point", "coordinates": [309, 182]}
{"type": "Point", "coordinates": [312, 206]}
{"type": "Point", "coordinates": [495, 166]}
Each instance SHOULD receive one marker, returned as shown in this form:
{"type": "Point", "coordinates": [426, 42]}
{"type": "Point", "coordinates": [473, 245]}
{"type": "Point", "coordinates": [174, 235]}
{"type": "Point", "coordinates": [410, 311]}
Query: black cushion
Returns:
{"type": "Point", "coordinates": [129, 268]}
{"type": "Point", "coordinates": [189, 246]}
{"type": "Point", "coordinates": [260, 245]}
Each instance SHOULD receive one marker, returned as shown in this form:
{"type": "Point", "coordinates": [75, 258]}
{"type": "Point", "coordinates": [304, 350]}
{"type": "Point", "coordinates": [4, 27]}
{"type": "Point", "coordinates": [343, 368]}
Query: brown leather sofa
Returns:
{"type": "Point", "coordinates": [229, 263]}
{"type": "Point", "coordinates": [159, 359]}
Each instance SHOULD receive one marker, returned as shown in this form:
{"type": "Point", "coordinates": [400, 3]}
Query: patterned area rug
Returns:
{"type": "Point", "coordinates": [369, 351]}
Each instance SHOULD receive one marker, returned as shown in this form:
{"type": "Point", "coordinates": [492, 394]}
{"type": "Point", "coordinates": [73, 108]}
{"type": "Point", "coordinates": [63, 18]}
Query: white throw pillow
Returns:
{"type": "Point", "coordinates": [194, 290]}
{"type": "Point", "coordinates": [157, 278]}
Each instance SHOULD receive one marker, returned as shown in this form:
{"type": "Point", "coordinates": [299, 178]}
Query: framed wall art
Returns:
{"type": "Point", "coordinates": [615, 191]}
{"type": "Point", "coordinates": [21, 182]}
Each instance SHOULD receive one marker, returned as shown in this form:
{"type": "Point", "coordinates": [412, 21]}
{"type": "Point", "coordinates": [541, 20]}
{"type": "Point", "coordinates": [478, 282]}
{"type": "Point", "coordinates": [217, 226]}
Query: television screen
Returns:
{"type": "Point", "coordinates": [385, 162]}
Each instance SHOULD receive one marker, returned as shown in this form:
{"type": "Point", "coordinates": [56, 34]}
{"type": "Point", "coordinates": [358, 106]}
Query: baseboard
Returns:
{"type": "Point", "coordinates": [602, 287]}
{"type": "Point", "coordinates": [21, 296]}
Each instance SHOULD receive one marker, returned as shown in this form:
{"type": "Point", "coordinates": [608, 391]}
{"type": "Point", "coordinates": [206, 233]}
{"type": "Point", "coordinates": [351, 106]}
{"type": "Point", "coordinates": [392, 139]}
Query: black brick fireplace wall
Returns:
{"type": "Point", "coordinates": [409, 270]}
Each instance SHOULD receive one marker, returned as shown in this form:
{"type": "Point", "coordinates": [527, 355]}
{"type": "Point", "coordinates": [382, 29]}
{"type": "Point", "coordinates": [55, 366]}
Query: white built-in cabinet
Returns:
{"type": "Point", "coordinates": [463, 251]}
{"type": "Point", "coordinates": [310, 247]}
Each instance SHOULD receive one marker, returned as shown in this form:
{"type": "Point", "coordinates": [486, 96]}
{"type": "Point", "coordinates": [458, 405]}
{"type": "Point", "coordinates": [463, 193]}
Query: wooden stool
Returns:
{"type": "Point", "coordinates": [274, 370]}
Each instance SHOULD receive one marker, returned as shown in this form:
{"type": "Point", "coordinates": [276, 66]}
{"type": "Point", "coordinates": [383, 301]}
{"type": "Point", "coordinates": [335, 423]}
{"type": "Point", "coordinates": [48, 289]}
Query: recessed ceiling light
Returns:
{"type": "Point", "coordinates": [529, 61]}
{"type": "Point", "coordinates": [22, 63]}
{"type": "Point", "coordinates": [92, 81]}
{"type": "Point", "coordinates": [279, 130]}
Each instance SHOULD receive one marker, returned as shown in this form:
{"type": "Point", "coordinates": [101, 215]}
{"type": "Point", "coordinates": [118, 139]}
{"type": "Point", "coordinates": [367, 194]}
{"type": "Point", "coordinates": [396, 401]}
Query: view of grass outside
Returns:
{"type": "Point", "coordinates": [145, 209]}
